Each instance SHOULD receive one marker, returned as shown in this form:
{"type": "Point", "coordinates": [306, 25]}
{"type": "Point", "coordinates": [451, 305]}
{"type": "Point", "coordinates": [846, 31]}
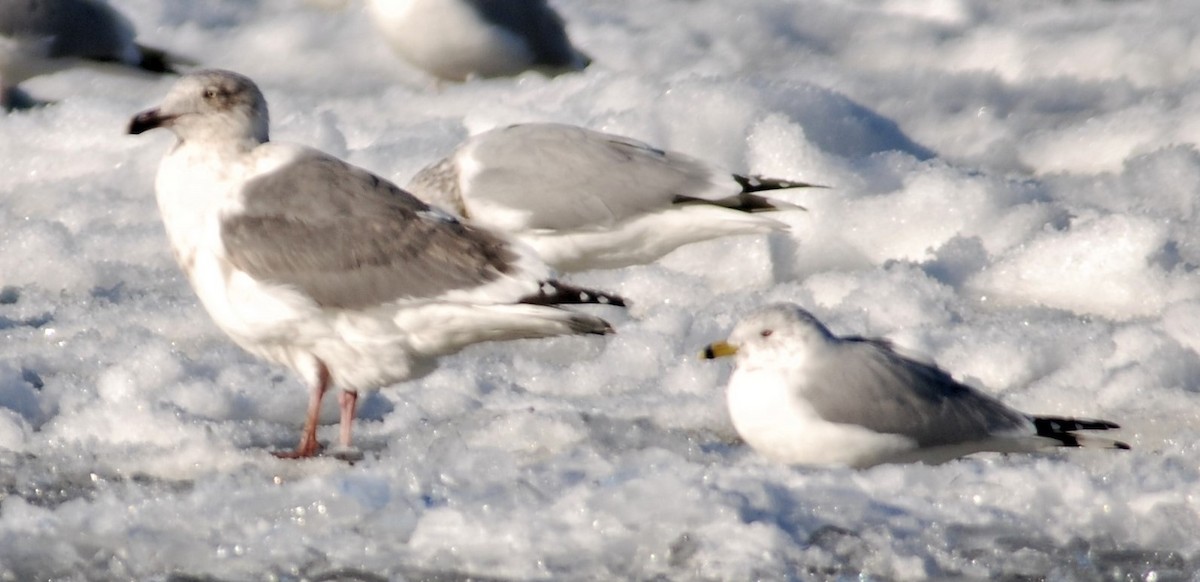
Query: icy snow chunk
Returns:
{"type": "Point", "coordinates": [1100, 265]}
{"type": "Point", "coordinates": [58, 267]}
{"type": "Point", "coordinates": [14, 430]}
{"type": "Point", "coordinates": [20, 395]}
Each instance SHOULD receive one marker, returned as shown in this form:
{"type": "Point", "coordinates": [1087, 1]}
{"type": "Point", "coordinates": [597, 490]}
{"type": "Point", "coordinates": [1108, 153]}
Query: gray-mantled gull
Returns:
{"type": "Point", "coordinates": [455, 40]}
{"type": "Point", "coordinates": [590, 200]}
{"type": "Point", "coordinates": [307, 261]}
{"type": "Point", "coordinates": [38, 37]}
{"type": "Point", "coordinates": [801, 395]}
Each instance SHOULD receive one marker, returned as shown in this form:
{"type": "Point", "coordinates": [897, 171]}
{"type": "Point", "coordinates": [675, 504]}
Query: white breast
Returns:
{"type": "Point", "coordinates": [769, 414]}
{"type": "Point", "coordinates": [195, 188]}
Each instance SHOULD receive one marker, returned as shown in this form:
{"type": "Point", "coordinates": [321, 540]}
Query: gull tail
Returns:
{"type": "Point", "coordinates": [582, 323]}
{"type": "Point", "coordinates": [447, 328]}
{"type": "Point", "coordinates": [558, 293]}
{"type": "Point", "coordinates": [1064, 431]}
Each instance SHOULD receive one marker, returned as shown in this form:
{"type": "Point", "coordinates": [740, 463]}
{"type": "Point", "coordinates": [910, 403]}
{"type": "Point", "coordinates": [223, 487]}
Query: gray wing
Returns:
{"type": "Point", "coordinates": [438, 184]}
{"type": "Point", "coordinates": [349, 239]}
{"type": "Point", "coordinates": [569, 177]}
{"type": "Point", "coordinates": [881, 390]}
{"type": "Point", "coordinates": [74, 28]}
{"type": "Point", "coordinates": [539, 25]}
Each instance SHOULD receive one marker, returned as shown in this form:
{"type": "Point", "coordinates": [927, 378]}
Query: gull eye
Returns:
{"type": "Point", "coordinates": [766, 332]}
{"type": "Point", "coordinates": [210, 94]}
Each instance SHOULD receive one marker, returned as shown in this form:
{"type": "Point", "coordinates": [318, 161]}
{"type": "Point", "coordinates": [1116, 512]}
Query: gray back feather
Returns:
{"type": "Point", "coordinates": [570, 177]}
{"type": "Point", "coordinates": [76, 28]}
{"type": "Point", "coordinates": [888, 393]}
{"type": "Point", "coordinates": [351, 240]}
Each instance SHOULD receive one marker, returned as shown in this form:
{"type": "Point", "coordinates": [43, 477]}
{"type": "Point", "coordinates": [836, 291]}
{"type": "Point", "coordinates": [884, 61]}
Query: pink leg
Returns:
{"type": "Point", "coordinates": [308, 446]}
{"type": "Point", "coordinates": [348, 400]}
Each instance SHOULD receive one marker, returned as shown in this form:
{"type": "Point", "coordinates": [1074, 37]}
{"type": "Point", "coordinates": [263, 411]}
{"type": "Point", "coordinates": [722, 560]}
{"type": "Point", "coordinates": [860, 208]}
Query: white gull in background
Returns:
{"type": "Point", "coordinates": [455, 40]}
{"type": "Point", "coordinates": [307, 261]}
{"type": "Point", "coordinates": [590, 200]}
{"type": "Point", "coordinates": [802, 395]}
{"type": "Point", "coordinates": [38, 37]}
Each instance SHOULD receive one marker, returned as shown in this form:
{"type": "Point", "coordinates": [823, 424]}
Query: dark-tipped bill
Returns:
{"type": "Point", "coordinates": [147, 120]}
{"type": "Point", "coordinates": [718, 350]}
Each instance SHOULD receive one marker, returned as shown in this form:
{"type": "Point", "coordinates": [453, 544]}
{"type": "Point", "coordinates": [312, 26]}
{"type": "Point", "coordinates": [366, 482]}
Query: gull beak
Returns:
{"type": "Point", "coordinates": [718, 350]}
{"type": "Point", "coordinates": [147, 120]}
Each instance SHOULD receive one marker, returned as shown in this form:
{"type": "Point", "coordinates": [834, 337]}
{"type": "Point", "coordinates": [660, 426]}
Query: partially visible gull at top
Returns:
{"type": "Point", "coordinates": [39, 37]}
{"type": "Point", "coordinates": [309, 262]}
{"type": "Point", "coordinates": [591, 200]}
{"type": "Point", "coordinates": [456, 40]}
{"type": "Point", "coordinates": [801, 395]}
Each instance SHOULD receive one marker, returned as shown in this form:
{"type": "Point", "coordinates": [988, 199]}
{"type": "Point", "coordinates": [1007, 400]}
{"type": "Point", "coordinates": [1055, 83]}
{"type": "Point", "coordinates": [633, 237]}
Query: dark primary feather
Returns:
{"type": "Point", "coordinates": [760, 184]}
{"type": "Point", "coordinates": [747, 200]}
{"type": "Point", "coordinates": [744, 202]}
{"type": "Point", "coordinates": [15, 98]}
{"type": "Point", "coordinates": [349, 239]}
{"type": "Point", "coordinates": [559, 293]}
{"type": "Point", "coordinates": [155, 60]}
{"type": "Point", "coordinates": [1061, 429]}
{"type": "Point", "coordinates": [539, 25]}
{"type": "Point", "coordinates": [889, 393]}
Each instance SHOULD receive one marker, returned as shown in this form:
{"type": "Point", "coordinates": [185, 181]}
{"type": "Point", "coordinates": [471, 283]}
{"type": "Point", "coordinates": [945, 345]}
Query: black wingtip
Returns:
{"type": "Point", "coordinates": [1063, 430]}
{"type": "Point", "coordinates": [1047, 425]}
{"type": "Point", "coordinates": [760, 184]}
{"type": "Point", "coordinates": [154, 60]}
{"type": "Point", "coordinates": [559, 293]}
{"type": "Point", "coordinates": [742, 202]}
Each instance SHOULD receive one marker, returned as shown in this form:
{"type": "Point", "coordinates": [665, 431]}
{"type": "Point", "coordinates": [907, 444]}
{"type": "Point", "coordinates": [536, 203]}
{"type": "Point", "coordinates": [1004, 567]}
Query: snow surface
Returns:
{"type": "Point", "coordinates": [1014, 195]}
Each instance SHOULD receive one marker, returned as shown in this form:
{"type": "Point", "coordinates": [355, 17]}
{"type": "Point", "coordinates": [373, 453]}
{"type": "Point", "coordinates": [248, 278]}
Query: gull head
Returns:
{"type": "Point", "coordinates": [209, 105]}
{"type": "Point", "coordinates": [783, 332]}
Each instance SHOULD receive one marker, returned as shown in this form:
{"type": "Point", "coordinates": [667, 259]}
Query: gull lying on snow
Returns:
{"type": "Point", "coordinates": [801, 395]}
{"type": "Point", "coordinates": [307, 261]}
{"type": "Point", "coordinates": [455, 40]}
{"type": "Point", "coordinates": [38, 37]}
{"type": "Point", "coordinates": [590, 200]}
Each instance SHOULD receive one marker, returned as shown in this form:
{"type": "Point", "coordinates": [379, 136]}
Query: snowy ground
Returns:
{"type": "Point", "coordinates": [1014, 194]}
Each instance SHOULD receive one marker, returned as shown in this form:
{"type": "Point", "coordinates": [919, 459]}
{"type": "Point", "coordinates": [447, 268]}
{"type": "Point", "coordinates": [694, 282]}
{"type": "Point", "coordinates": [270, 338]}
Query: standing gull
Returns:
{"type": "Point", "coordinates": [307, 261]}
{"type": "Point", "coordinates": [590, 200]}
{"type": "Point", "coordinates": [801, 395]}
{"type": "Point", "coordinates": [455, 40]}
{"type": "Point", "coordinates": [38, 37]}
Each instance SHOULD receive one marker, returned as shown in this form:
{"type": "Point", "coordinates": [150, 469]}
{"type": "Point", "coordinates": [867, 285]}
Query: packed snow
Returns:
{"type": "Point", "coordinates": [1012, 194]}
